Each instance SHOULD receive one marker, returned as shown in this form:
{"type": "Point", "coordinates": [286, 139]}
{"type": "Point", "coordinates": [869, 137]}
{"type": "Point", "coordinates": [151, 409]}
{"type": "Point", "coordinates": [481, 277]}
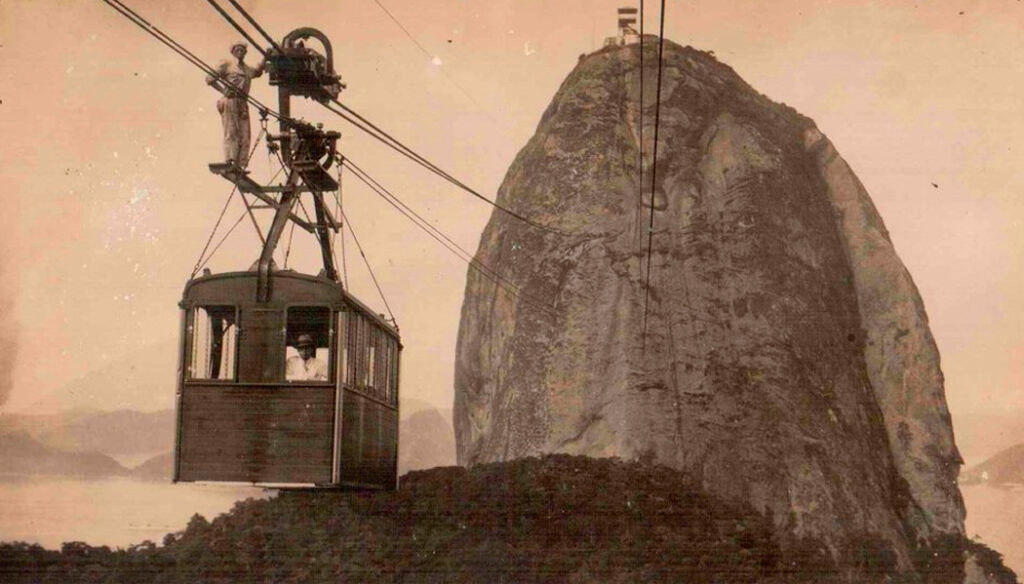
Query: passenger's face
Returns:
{"type": "Point", "coordinates": [306, 352]}
{"type": "Point", "coordinates": [238, 52]}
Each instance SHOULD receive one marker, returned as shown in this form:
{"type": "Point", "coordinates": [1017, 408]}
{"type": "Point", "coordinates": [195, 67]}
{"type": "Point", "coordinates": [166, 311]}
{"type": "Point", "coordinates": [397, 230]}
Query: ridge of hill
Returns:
{"type": "Point", "coordinates": [426, 440]}
{"type": "Point", "coordinates": [22, 455]}
{"type": "Point", "coordinates": [114, 433]}
{"type": "Point", "coordinates": [980, 436]}
{"type": "Point", "coordinates": [1004, 469]}
{"type": "Point", "coordinates": [156, 468]}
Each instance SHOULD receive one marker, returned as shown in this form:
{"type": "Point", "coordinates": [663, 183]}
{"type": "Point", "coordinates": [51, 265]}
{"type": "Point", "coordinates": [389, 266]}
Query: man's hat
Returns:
{"type": "Point", "coordinates": [304, 340]}
{"type": "Point", "coordinates": [238, 44]}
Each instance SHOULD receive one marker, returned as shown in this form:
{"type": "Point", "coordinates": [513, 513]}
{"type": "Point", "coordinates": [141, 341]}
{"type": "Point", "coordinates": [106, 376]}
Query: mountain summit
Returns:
{"type": "Point", "coordinates": [787, 361]}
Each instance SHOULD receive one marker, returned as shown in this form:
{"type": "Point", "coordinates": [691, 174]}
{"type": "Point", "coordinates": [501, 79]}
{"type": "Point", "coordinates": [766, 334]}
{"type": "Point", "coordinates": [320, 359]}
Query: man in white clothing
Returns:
{"type": "Point", "coordinates": [233, 79]}
{"type": "Point", "coordinates": [305, 366]}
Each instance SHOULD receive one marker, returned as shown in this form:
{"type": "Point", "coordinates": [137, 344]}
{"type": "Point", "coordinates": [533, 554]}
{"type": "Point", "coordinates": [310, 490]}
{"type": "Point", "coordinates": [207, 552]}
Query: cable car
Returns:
{"type": "Point", "coordinates": [285, 379]}
{"type": "Point", "coordinates": [242, 414]}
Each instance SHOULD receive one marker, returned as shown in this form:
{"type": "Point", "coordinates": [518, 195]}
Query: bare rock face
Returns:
{"type": "Point", "coordinates": [900, 353]}
{"type": "Point", "coordinates": [787, 360]}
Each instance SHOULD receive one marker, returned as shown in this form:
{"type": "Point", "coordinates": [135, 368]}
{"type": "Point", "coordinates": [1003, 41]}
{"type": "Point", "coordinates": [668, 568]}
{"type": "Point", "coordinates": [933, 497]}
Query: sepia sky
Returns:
{"type": "Point", "coordinates": [107, 201]}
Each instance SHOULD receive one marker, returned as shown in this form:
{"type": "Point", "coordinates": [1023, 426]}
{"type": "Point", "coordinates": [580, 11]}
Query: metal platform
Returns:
{"type": "Point", "coordinates": [240, 178]}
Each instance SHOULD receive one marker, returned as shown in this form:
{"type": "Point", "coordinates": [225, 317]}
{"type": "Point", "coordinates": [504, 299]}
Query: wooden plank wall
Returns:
{"type": "Point", "coordinates": [369, 442]}
{"type": "Point", "coordinates": [267, 434]}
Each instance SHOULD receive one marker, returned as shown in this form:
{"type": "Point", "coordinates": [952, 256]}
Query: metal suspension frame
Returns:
{"type": "Point", "coordinates": [307, 153]}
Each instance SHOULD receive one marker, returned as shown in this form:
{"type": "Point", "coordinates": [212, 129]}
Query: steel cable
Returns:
{"type": "Point", "coordinates": [654, 173]}
{"type": "Point", "coordinates": [256, 25]}
{"type": "Point", "coordinates": [237, 27]}
{"type": "Point", "coordinates": [393, 143]}
{"type": "Point", "coordinates": [444, 240]}
{"type": "Point", "coordinates": [368, 268]}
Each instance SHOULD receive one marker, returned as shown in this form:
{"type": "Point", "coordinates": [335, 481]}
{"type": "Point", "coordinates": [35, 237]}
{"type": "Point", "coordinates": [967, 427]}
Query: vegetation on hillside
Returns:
{"type": "Point", "coordinates": [551, 519]}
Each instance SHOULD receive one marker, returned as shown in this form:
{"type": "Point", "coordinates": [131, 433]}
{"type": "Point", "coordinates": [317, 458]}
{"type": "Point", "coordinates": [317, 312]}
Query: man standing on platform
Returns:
{"type": "Point", "coordinates": [233, 80]}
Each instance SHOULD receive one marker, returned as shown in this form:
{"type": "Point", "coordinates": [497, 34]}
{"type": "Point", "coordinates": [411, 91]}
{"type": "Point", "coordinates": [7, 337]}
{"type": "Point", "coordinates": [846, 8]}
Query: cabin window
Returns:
{"type": "Point", "coordinates": [391, 372]}
{"type": "Point", "coordinates": [352, 320]}
{"type": "Point", "coordinates": [307, 353]}
{"type": "Point", "coordinates": [342, 343]}
{"type": "Point", "coordinates": [214, 338]}
{"type": "Point", "coordinates": [369, 380]}
{"type": "Point", "coordinates": [355, 342]}
{"type": "Point", "coordinates": [368, 359]}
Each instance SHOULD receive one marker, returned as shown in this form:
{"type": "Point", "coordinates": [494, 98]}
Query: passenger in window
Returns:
{"type": "Point", "coordinates": [305, 366]}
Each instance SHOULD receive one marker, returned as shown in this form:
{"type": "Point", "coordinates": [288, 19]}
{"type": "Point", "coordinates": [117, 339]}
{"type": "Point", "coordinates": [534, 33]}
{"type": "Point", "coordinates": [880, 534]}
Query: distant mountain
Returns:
{"type": "Point", "coordinates": [1002, 470]}
{"type": "Point", "coordinates": [21, 455]}
{"type": "Point", "coordinates": [115, 433]}
{"type": "Point", "coordinates": [409, 406]}
{"type": "Point", "coordinates": [158, 468]}
{"type": "Point", "coordinates": [426, 436]}
{"type": "Point", "coordinates": [980, 436]}
{"type": "Point", "coordinates": [426, 439]}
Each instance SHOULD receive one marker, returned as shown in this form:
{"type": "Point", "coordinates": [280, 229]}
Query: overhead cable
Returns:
{"type": "Point", "coordinates": [368, 268]}
{"type": "Point", "coordinates": [640, 125]}
{"type": "Point", "coordinates": [201, 262]}
{"type": "Point", "coordinates": [175, 46]}
{"type": "Point", "coordinates": [219, 243]}
{"type": "Point", "coordinates": [380, 134]}
{"type": "Point", "coordinates": [443, 239]}
{"type": "Point", "coordinates": [369, 128]}
{"type": "Point", "coordinates": [256, 25]}
{"type": "Point", "coordinates": [338, 196]}
{"type": "Point", "coordinates": [432, 57]}
{"type": "Point", "coordinates": [405, 30]}
{"type": "Point", "coordinates": [654, 174]}
{"type": "Point", "coordinates": [237, 27]}
{"type": "Point", "coordinates": [288, 249]}
{"type": "Point", "coordinates": [387, 139]}
{"type": "Point", "coordinates": [159, 35]}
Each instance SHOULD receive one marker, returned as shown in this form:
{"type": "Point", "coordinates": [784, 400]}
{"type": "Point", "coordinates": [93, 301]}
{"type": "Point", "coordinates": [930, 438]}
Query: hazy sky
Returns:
{"type": "Point", "coordinates": [107, 200]}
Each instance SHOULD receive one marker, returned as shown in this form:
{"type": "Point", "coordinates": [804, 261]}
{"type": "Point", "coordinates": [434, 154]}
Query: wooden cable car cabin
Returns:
{"type": "Point", "coordinates": [240, 416]}
{"type": "Point", "coordinates": [286, 379]}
